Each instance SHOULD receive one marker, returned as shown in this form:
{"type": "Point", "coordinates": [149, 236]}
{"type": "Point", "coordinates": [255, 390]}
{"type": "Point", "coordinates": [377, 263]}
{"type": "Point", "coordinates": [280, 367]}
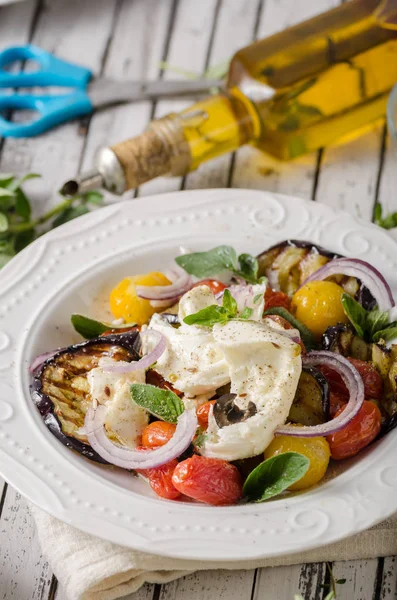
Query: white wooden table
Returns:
{"type": "Point", "coordinates": [128, 39]}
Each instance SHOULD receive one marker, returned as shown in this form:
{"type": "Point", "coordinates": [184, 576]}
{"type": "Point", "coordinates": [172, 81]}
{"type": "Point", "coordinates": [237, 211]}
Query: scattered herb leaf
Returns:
{"type": "Point", "coordinates": [229, 302]}
{"type": "Point", "coordinates": [246, 313]}
{"type": "Point", "coordinates": [257, 298]}
{"type": "Point", "coordinates": [207, 317]}
{"type": "Point", "coordinates": [371, 325]}
{"type": "Point", "coordinates": [90, 328]}
{"type": "Point", "coordinates": [275, 475]}
{"type": "Point", "coordinates": [219, 260]}
{"type": "Point", "coordinates": [161, 403]}
{"type": "Point", "coordinates": [387, 222]}
{"type": "Point", "coordinates": [200, 438]}
{"type": "Point", "coordinates": [305, 333]}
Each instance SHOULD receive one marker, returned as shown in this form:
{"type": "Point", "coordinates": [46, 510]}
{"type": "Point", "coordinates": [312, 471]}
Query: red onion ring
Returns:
{"type": "Point", "coordinates": [146, 361]}
{"type": "Point", "coordinates": [127, 458]}
{"type": "Point", "coordinates": [40, 359]}
{"type": "Point", "coordinates": [181, 283]}
{"type": "Point", "coordinates": [366, 273]}
{"type": "Point", "coordinates": [352, 379]}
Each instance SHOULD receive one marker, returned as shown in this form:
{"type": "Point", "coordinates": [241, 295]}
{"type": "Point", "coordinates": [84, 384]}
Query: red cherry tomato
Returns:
{"type": "Point", "coordinates": [160, 480]}
{"type": "Point", "coordinates": [202, 413]}
{"type": "Point", "coordinates": [373, 384]}
{"type": "Point", "coordinates": [273, 299]}
{"type": "Point", "coordinates": [208, 480]}
{"type": "Point", "coordinates": [357, 434]}
{"type": "Point", "coordinates": [157, 434]}
{"type": "Point", "coordinates": [336, 402]}
{"type": "Point", "coordinates": [215, 286]}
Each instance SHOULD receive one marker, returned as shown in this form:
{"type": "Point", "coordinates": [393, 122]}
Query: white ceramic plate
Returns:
{"type": "Point", "coordinates": [65, 270]}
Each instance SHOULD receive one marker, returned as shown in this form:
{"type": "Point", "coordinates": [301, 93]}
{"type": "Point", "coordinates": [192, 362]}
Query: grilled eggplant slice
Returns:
{"type": "Point", "coordinates": [60, 389]}
{"type": "Point", "coordinates": [289, 263]}
{"type": "Point", "coordinates": [311, 402]}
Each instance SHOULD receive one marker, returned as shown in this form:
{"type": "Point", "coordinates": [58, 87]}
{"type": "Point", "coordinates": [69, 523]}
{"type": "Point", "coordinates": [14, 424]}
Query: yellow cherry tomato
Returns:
{"type": "Point", "coordinates": [124, 302]}
{"type": "Point", "coordinates": [318, 305]}
{"type": "Point", "coordinates": [316, 449]}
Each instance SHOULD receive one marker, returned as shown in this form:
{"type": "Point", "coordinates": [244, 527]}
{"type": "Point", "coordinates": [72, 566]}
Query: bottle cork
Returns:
{"type": "Point", "coordinates": [160, 150]}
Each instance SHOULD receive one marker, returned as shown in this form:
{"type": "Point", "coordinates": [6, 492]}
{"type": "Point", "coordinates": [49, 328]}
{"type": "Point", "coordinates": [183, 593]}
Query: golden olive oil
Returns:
{"type": "Point", "coordinates": [312, 85]}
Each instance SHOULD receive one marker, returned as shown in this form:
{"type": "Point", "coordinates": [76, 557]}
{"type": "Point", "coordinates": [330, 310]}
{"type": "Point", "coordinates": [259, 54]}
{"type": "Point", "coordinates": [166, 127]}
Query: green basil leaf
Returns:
{"type": "Point", "coordinates": [207, 317]}
{"type": "Point", "coordinates": [90, 328]}
{"type": "Point", "coordinates": [305, 333]}
{"type": "Point", "coordinates": [248, 267]}
{"type": "Point", "coordinates": [229, 303]}
{"type": "Point", "coordinates": [246, 313]}
{"type": "Point", "coordinates": [3, 222]}
{"type": "Point", "coordinates": [387, 222]}
{"type": "Point", "coordinates": [22, 205]}
{"type": "Point", "coordinates": [376, 321]}
{"type": "Point", "coordinates": [356, 314]}
{"type": "Point", "coordinates": [208, 264]}
{"type": "Point", "coordinates": [69, 214]}
{"type": "Point", "coordinates": [386, 334]}
{"type": "Point", "coordinates": [275, 475]}
{"type": "Point", "coordinates": [258, 298]}
{"type": "Point", "coordinates": [161, 403]}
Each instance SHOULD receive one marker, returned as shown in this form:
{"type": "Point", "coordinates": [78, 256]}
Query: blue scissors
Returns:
{"type": "Point", "coordinates": [88, 92]}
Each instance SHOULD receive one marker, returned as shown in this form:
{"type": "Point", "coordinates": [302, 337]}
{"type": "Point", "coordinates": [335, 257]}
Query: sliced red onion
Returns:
{"type": "Point", "coordinates": [366, 273]}
{"type": "Point", "coordinates": [147, 360]}
{"type": "Point", "coordinates": [181, 283]}
{"type": "Point", "coordinates": [162, 303]}
{"type": "Point", "coordinates": [39, 360]}
{"type": "Point", "coordinates": [127, 458]}
{"type": "Point", "coordinates": [354, 383]}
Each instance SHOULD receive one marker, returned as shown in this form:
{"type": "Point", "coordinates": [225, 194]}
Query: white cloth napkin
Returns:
{"type": "Point", "coordinates": [91, 569]}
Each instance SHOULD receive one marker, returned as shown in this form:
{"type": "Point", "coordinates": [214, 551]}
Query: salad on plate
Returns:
{"type": "Point", "coordinates": [229, 378]}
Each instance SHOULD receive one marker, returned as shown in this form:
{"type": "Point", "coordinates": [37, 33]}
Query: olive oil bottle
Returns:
{"type": "Point", "coordinates": [314, 84]}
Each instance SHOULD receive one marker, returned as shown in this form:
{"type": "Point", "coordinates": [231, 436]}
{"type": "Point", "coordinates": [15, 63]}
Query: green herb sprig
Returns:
{"type": "Point", "coordinates": [220, 260]}
{"type": "Point", "coordinates": [90, 328]}
{"type": "Point", "coordinates": [207, 317]}
{"type": "Point", "coordinates": [17, 227]}
{"type": "Point", "coordinates": [370, 325]}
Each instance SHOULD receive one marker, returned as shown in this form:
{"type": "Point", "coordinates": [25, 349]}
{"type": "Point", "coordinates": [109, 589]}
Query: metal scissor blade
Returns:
{"type": "Point", "coordinates": [105, 92]}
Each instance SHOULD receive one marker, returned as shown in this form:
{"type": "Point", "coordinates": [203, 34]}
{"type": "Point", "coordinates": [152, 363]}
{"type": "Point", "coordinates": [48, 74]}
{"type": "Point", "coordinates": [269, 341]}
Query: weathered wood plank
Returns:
{"type": "Point", "coordinates": [24, 572]}
{"type": "Point", "coordinates": [222, 585]}
{"type": "Point", "coordinates": [389, 579]}
{"type": "Point", "coordinates": [360, 578]}
{"type": "Point", "coordinates": [130, 56]}
{"type": "Point", "coordinates": [188, 49]}
{"type": "Point", "coordinates": [285, 582]}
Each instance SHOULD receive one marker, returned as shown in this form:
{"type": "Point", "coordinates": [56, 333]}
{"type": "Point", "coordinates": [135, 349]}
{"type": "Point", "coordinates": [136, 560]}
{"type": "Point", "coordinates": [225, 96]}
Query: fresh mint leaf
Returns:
{"type": "Point", "coordinates": [22, 205]}
{"type": "Point", "coordinates": [90, 328]}
{"type": "Point", "coordinates": [207, 317]}
{"type": "Point", "coordinates": [229, 303]}
{"type": "Point", "coordinates": [161, 403]}
{"type": "Point", "coordinates": [207, 264]}
{"type": "Point", "coordinates": [305, 333]}
{"type": "Point", "coordinates": [356, 314]}
{"type": "Point", "coordinates": [246, 313]}
{"type": "Point", "coordinates": [248, 267]}
{"type": "Point", "coordinates": [275, 475]}
{"type": "Point", "coordinates": [3, 222]}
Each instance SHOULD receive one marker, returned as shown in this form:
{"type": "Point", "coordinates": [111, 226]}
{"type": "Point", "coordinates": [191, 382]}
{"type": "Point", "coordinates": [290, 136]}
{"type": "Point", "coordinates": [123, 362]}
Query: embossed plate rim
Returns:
{"type": "Point", "coordinates": [345, 505]}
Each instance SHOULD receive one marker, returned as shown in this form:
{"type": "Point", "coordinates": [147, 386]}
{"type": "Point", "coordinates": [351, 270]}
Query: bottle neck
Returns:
{"type": "Point", "coordinates": [179, 143]}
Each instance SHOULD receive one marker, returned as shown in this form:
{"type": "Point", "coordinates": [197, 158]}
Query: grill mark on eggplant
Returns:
{"type": "Point", "coordinates": [63, 406]}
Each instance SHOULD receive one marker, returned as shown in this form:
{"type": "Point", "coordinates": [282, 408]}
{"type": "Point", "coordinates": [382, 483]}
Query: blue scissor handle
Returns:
{"type": "Point", "coordinates": [53, 110]}
{"type": "Point", "coordinates": [52, 71]}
